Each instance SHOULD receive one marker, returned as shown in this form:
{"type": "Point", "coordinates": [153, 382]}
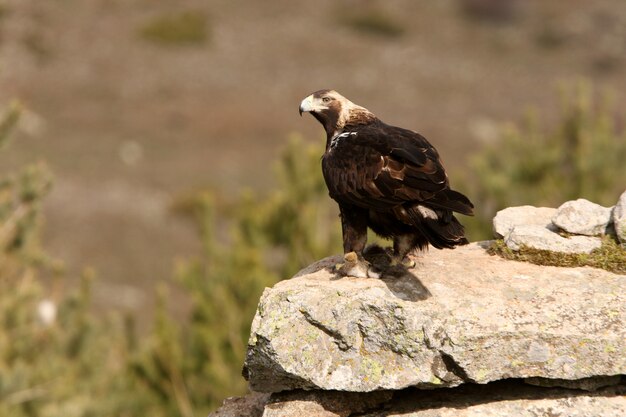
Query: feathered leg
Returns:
{"type": "Point", "coordinates": [402, 245]}
{"type": "Point", "coordinates": [354, 229]}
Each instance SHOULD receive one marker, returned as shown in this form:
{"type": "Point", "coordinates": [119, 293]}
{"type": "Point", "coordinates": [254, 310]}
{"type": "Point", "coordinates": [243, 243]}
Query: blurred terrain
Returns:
{"type": "Point", "coordinates": [134, 105]}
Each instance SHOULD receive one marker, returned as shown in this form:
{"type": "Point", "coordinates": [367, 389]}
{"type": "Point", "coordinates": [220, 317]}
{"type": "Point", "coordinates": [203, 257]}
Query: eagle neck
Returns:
{"type": "Point", "coordinates": [363, 119]}
{"type": "Point", "coordinates": [349, 117]}
{"type": "Point", "coordinates": [350, 126]}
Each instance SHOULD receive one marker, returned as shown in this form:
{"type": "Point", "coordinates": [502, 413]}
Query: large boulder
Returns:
{"type": "Point", "coordinates": [459, 316]}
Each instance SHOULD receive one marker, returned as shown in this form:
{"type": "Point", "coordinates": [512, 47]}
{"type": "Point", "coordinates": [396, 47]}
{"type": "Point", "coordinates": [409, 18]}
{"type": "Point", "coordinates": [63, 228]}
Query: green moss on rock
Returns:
{"type": "Point", "coordinates": [610, 256]}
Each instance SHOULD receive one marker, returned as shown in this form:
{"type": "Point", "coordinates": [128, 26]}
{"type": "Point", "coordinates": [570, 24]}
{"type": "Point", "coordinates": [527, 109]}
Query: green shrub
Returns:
{"type": "Point", "coordinates": [81, 364]}
{"type": "Point", "coordinates": [56, 357]}
{"type": "Point", "coordinates": [372, 21]}
{"type": "Point", "coordinates": [270, 238]}
{"type": "Point", "coordinates": [185, 28]}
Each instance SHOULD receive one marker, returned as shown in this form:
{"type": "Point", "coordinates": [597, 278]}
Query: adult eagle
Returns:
{"type": "Point", "coordinates": [386, 178]}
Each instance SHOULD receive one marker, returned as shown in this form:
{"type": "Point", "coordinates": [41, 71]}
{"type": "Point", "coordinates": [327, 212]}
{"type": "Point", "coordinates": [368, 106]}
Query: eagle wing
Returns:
{"type": "Point", "coordinates": [381, 167]}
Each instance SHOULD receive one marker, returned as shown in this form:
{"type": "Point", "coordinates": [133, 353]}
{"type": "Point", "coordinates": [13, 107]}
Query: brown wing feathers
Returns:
{"type": "Point", "coordinates": [377, 177]}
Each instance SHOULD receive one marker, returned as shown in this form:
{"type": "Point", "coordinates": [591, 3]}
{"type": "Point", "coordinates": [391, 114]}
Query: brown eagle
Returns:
{"type": "Point", "coordinates": [386, 178]}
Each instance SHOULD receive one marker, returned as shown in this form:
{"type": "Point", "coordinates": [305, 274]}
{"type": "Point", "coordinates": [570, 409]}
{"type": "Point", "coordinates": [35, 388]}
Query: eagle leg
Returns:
{"type": "Point", "coordinates": [354, 230]}
{"type": "Point", "coordinates": [402, 245]}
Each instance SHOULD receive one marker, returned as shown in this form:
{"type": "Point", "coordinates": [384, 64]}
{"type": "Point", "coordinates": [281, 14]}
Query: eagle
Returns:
{"type": "Point", "coordinates": [385, 178]}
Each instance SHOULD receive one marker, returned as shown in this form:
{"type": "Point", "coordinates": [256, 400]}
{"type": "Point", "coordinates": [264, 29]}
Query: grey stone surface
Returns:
{"type": "Point", "coordinates": [619, 218]}
{"type": "Point", "coordinates": [582, 217]}
{"type": "Point", "coordinates": [251, 405]}
{"type": "Point", "coordinates": [505, 220]}
{"type": "Point", "coordinates": [486, 319]}
{"type": "Point", "coordinates": [506, 398]}
{"type": "Point", "coordinates": [539, 237]}
{"type": "Point", "coordinates": [324, 403]}
{"type": "Point", "coordinates": [588, 384]}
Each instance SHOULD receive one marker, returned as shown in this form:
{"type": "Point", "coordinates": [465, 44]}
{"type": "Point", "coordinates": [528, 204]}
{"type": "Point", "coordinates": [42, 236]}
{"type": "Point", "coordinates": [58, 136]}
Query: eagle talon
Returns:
{"type": "Point", "coordinates": [351, 257]}
{"type": "Point", "coordinates": [406, 262]}
{"type": "Point", "coordinates": [355, 266]}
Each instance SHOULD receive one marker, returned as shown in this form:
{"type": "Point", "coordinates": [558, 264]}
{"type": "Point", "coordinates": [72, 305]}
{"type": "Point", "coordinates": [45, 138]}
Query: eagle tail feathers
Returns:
{"type": "Point", "coordinates": [452, 200]}
{"type": "Point", "coordinates": [442, 231]}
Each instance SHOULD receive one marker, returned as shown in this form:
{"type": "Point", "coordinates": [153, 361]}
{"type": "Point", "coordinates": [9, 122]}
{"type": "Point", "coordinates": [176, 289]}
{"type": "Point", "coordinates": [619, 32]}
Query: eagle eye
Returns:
{"type": "Point", "coordinates": [326, 100]}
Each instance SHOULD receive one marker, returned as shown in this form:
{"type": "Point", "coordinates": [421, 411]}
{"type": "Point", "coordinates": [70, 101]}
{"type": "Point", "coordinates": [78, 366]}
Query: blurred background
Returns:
{"type": "Point", "coordinates": [174, 178]}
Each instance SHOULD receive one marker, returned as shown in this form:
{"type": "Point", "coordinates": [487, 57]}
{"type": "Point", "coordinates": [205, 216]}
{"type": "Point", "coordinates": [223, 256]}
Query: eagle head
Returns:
{"type": "Point", "coordinates": [333, 110]}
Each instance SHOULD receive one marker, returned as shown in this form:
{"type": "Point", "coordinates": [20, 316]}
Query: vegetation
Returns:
{"type": "Point", "coordinates": [581, 157]}
{"type": "Point", "coordinates": [271, 238]}
{"type": "Point", "coordinates": [493, 11]}
{"type": "Point", "coordinates": [185, 28]}
{"type": "Point", "coordinates": [58, 358]}
{"type": "Point", "coordinates": [4, 10]}
{"type": "Point", "coordinates": [372, 21]}
{"type": "Point", "coordinates": [55, 356]}
{"type": "Point", "coordinates": [610, 256]}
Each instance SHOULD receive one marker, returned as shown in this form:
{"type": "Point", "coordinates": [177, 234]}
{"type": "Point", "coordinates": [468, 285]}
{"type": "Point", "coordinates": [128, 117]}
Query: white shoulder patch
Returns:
{"type": "Point", "coordinates": [427, 213]}
{"type": "Point", "coordinates": [334, 141]}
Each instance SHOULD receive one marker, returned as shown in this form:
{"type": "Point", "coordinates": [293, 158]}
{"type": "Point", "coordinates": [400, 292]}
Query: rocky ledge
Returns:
{"type": "Point", "coordinates": [458, 316]}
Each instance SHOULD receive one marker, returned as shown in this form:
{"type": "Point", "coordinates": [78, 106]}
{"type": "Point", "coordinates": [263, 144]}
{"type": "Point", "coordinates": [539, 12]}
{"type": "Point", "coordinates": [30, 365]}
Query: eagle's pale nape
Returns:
{"type": "Point", "coordinates": [385, 178]}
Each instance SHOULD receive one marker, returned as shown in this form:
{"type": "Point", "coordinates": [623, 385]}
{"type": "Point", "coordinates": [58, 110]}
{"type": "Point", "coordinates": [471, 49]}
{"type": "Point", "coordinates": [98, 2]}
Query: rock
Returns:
{"type": "Point", "coordinates": [324, 403]}
{"type": "Point", "coordinates": [619, 218]}
{"type": "Point", "coordinates": [486, 319]}
{"type": "Point", "coordinates": [252, 405]}
{"type": "Point", "coordinates": [504, 398]}
{"type": "Point", "coordinates": [511, 217]}
{"type": "Point", "coordinates": [539, 237]}
{"type": "Point", "coordinates": [532, 227]}
{"type": "Point", "coordinates": [588, 384]}
{"type": "Point", "coordinates": [582, 217]}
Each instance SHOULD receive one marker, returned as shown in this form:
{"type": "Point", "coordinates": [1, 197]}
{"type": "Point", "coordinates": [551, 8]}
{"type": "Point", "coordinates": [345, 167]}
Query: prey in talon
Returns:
{"type": "Point", "coordinates": [356, 266]}
{"type": "Point", "coordinates": [385, 178]}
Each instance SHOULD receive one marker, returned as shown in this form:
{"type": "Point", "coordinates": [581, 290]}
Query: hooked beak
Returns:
{"type": "Point", "coordinates": [306, 105]}
{"type": "Point", "coordinates": [309, 105]}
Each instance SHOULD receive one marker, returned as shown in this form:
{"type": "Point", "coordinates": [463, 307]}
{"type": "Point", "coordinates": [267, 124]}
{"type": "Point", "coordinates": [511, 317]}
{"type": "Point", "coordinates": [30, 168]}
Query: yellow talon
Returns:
{"type": "Point", "coordinates": [406, 262]}
{"type": "Point", "coordinates": [409, 263]}
{"type": "Point", "coordinates": [351, 257]}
